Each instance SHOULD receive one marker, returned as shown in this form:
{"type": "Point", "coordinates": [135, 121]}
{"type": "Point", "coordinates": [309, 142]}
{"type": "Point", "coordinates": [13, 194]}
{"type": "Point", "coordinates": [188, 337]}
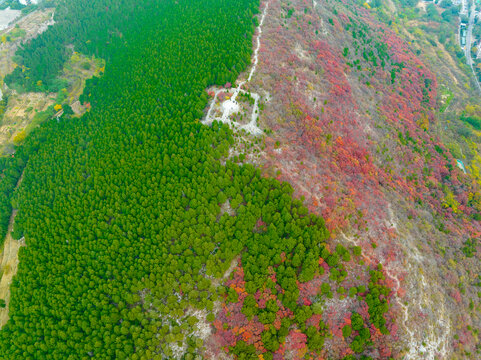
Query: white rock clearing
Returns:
{"type": "Point", "coordinates": [231, 106]}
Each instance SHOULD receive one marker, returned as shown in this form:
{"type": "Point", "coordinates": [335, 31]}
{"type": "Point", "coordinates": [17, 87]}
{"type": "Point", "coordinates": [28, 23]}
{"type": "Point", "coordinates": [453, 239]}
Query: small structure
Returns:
{"type": "Point", "coordinates": [462, 34]}
{"type": "Point", "coordinates": [461, 165]}
{"type": "Point", "coordinates": [58, 114]}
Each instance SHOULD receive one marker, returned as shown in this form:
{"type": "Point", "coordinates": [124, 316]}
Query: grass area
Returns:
{"type": "Point", "coordinates": [446, 97]}
{"type": "Point", "coordinates": [17, 33]}
{"type": "Point", "coordinates": [77, 70]}
{"type": "Point", "coordinates": [25, 111]}
{"type": "Point", "coordinates": [38, 118]}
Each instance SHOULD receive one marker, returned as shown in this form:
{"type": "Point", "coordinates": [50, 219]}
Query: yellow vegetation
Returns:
{"type": "Point", "coordinates": [451, 202]}
{"type": "Point", "coordinates": [418, 32]}
{"type": "Point", "coordinates": [471, 109]}
{"type": "Point", "coordinates": [19, 137]}
{"type": "Point", "coordinates": [475, 200]}
{"type": "Point", "coordinates": [423, 122]}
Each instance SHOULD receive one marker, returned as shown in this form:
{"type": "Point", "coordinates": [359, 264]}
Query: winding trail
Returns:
{"type": "Point", "coordinates": [8, 267]}
{"type": "Point", "coordinates": [9, 263]}
{"type": "Point", "coordinates": [430, 341]}
{"type": "Point", "coordinates": [231, 106]}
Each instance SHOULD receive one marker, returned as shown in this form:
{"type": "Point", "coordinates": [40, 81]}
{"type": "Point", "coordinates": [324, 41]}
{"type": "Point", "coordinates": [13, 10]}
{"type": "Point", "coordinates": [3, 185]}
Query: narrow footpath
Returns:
{"type": "Point", "coordinates": [231, 106]}
{"type": "Point", "coordinates": [9, 264]}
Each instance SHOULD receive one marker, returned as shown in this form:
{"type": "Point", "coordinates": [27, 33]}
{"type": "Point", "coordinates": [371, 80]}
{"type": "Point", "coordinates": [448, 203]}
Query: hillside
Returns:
{"type": "Point", "coordinates": [279, 182]}
{"type": "Point", "coordinates": [359, 130]}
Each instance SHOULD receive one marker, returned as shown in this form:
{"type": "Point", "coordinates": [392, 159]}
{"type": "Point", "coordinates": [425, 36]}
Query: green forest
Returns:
{"type": "Point", "coordinates": [121, 208]}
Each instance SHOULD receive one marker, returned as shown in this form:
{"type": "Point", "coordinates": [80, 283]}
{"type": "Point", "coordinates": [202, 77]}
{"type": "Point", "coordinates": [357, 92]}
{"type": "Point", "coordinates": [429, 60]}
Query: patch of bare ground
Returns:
{"type": "Point", "coordinates": [24, 29]}
{"type": "Point", "coordinates": [21, 111]}
{"type": "Point", "coordinates": [8, 264]}
{"type": "Point", "coordinates": [206, 328]}
{"type": "Point", "coordinates": [27, 110]}
{"type": "Point", "coordinates": [76, 71]}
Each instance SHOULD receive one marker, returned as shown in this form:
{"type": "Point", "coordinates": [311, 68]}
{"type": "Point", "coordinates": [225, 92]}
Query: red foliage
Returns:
{"type": "Point", "coordinates": [456, 295]}
{"type": "Point", "coordinates": [232, 325]}
{"type": "Point", "coordinates": [351, 150]}
{"type": "Point", "coordinates": [296, 344]}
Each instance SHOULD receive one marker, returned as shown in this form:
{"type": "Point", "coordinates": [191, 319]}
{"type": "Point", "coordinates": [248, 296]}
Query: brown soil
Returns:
{"type": "Point", "coordinates": [8, 267]}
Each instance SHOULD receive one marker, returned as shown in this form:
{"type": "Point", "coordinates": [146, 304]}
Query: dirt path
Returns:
{"type": "Point", "coordinates": [428, 340]}
{"type": "Point", "coordinates": [231, 106]}
{"type": "Point", "coordinates": [9, 264]}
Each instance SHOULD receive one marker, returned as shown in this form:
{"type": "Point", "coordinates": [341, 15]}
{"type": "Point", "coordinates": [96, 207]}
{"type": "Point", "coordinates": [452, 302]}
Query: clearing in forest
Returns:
{"type": "Point", "coordinates": [25, 111]}
{"type": "Point", "coordinates": [227, 108]}
{"type": "Point", "coordinates": [8, 267]}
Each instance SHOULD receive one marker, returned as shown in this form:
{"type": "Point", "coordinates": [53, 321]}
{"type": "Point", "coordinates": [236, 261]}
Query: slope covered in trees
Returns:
{"type": "Point", "coordinates": [95, 28]}
{"type": "Point", "coordinates": [122, 209]}
{"type": "Point", "coordinates": [353, 122]}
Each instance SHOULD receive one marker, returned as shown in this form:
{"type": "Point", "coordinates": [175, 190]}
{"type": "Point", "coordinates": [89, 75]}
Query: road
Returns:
{"type": "Point", "coordinates": [469, 39]}
{"type": "Point", "coordinates": [469, 35]}
{"type": "Point", "coordinates": [464, 7]}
